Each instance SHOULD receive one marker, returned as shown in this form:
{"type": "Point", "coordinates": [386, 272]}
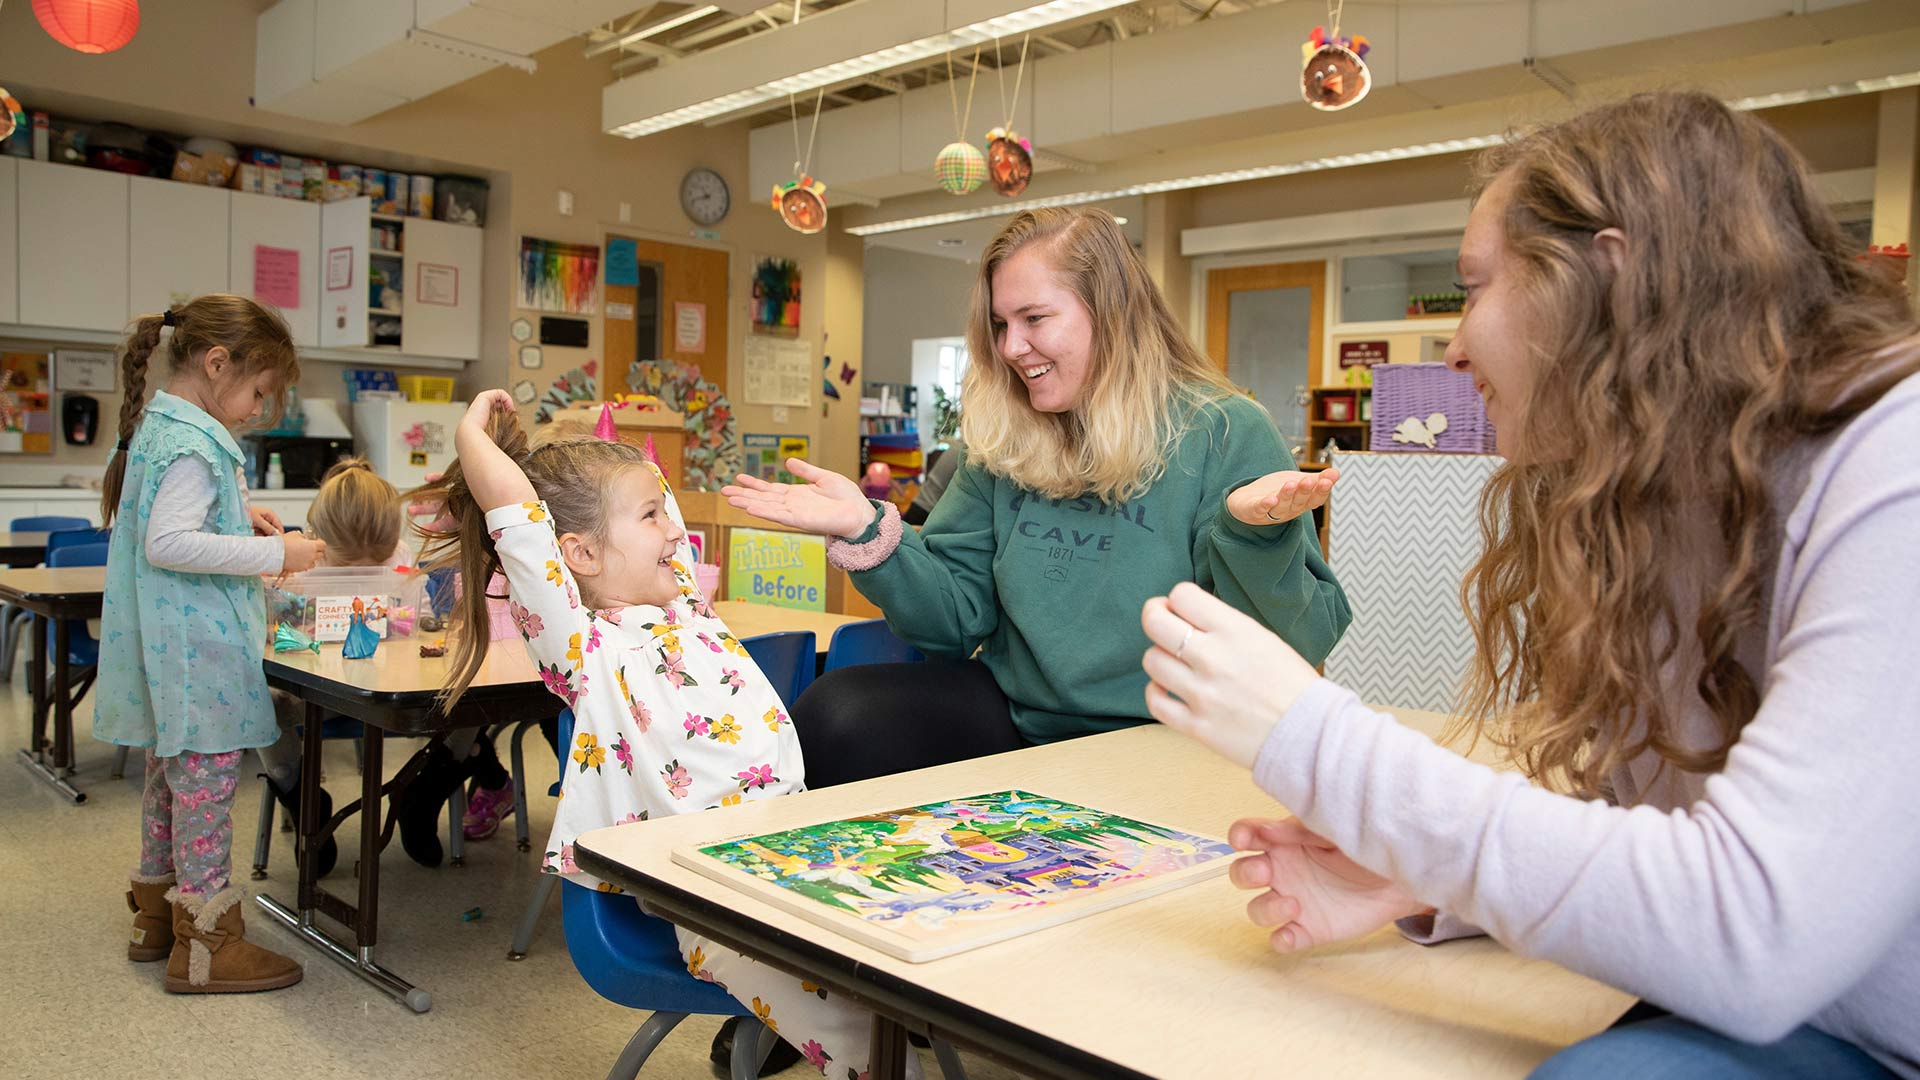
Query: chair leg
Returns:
{"type": "Point", "coordinates": [523, 934]}
{"type": "Point", "coordinates": [751, 1033]}
{"type": "Point", "coordinates": [119, 764]}
{"type": "Point", "coordinates": [521, 835]}
{"type": "Point", "coordinates": [15, 624]}
{"type": "Point", "coordinates": [949, 1059]}
{"type": "Point", "coordinates": [627, 1065]}
{"type": "Point", "coordinates": [263, 836]}
{"type": "Point", "coordinates": [457, 827]}
{"type": "Point", "coordinates": [9, 641]}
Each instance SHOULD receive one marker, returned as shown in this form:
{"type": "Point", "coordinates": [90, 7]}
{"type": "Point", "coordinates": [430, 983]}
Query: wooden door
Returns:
{"type": "Point", "coordinates": [1266, 330]}
{"type": "Point", "coordinates": [685, 275]}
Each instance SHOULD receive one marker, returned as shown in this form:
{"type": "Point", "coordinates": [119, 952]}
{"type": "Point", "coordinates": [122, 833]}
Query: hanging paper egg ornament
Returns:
{"type": "Point", "coordinates": [89, 26]}
{"type": "Point", "coordinates": [13, 117]}
{"type": "Point", "coordinates": [961, 168]}
{"type": "Point", "coordinates": [1334, 74]}
{"type": "Point", "coordinates": [1009, 161]}
{"type": "Point", "coordinates": [802, 204]}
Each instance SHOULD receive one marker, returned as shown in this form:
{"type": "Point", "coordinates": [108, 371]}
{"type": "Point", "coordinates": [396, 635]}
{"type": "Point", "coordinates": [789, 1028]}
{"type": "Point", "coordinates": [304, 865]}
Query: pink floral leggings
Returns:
{"type": "Point", "coordinates": [186, 819]}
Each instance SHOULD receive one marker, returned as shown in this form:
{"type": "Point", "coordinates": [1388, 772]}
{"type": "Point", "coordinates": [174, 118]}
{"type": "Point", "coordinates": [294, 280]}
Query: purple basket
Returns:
{"type": "Point", "coordinates": [1410, 394]}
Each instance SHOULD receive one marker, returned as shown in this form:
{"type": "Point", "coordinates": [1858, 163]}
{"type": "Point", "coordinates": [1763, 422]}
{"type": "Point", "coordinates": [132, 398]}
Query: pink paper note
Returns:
{"type": "Point", "coordinates": [276, 276]}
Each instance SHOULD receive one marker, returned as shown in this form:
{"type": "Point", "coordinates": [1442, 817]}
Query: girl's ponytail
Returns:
{"type": "Point", "coordinates": [458, 538]}
{"type": "Point", "coordinates": [133, 366]}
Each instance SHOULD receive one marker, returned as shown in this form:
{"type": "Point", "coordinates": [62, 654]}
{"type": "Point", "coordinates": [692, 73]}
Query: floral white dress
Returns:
{"type": "Point", "coordinates": [670, 716]}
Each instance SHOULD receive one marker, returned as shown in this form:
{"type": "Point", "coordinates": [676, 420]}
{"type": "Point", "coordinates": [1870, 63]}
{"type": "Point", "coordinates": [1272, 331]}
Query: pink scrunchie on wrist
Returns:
{"type": "Point", "coordinates": [850, 556]}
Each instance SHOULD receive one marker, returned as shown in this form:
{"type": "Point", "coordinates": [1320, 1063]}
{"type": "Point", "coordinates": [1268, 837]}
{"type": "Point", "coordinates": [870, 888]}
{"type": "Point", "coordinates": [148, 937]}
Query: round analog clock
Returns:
{"type": "Point", "coordinates": [704, 196]}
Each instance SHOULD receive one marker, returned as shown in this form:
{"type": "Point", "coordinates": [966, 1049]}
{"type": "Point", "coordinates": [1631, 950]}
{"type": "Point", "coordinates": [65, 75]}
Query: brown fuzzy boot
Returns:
{"type": "Point", "coordinates": [152, 937]}
{"type": "Point", "coordinates": [211, 953]}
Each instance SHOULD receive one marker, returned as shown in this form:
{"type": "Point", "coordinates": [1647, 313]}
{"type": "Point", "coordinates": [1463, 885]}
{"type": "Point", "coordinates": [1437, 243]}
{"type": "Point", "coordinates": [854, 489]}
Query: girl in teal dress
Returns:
{"type": "Point", "coordinates": [183, 626]}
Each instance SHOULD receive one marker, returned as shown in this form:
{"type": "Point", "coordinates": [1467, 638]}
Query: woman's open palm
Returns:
{"type": "Point", "coordinates": [827, 503]}
{"type": "Point", "coordinates": [1314, 894]}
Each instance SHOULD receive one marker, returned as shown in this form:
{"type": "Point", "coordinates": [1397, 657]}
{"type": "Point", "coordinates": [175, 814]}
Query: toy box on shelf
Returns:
{"type": "Point", "coordinates": [319, 602]}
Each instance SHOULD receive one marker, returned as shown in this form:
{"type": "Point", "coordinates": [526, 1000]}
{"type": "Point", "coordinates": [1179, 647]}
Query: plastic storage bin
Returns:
{"type": "Point", "coordinates": [461, 200]}
{"type": "Point", "coordinates": [1408, 397]}
{"type": "Point", "coordinates": [427, 387]}
{"type": "Point", "coordinates": [319, 602]}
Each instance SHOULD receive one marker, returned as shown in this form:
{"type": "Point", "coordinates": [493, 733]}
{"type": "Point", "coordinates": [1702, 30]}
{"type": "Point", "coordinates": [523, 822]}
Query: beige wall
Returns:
{"type": "Point", "coordinates": [190, 69]}
{"type": "Point", "coordinates": [911, 296]}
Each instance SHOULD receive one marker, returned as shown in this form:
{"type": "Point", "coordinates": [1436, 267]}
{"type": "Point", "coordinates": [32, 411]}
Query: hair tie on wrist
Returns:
{"type": "Point", "coordinates": [167, 319]}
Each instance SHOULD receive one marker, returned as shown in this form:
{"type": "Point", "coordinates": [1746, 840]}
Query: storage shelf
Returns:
{"type": "Point", "coordinates": [390, 252]}
{"type": "Point", "coordinates": [393, 312]}
{"type": "Point", "coordinates": [387, 217]}
{"type": "Point", "coordinates": [1340, 423]}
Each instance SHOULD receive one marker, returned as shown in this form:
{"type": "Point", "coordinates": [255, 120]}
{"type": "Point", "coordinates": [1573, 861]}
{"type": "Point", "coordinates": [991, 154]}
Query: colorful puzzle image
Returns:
{"type": "Point", "coordinates": [929, 881]}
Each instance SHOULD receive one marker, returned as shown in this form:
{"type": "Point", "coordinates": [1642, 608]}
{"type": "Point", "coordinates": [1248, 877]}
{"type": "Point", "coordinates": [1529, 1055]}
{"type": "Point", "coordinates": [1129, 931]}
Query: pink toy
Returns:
{"type": "Point", "coordinates": [878, 481]}
{"type": "Point", "coordinates": [604, 430]}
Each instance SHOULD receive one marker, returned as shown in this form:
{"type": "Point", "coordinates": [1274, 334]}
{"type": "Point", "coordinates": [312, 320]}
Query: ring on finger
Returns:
{"type": "Point", "coordinates": [1183, 643]}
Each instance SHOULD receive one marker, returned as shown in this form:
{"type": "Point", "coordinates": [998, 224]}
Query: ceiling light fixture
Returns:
{"type": "Point", "coordinates": [1344, 161]}
{"type": "Point", "coordinates": [1009, 25]}
{"type": "Point", "coordinates": [660, 27]}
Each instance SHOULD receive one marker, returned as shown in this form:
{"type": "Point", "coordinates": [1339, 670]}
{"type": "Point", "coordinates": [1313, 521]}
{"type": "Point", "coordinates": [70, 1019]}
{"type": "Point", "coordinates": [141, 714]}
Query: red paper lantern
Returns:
{"type": "Point", "coordinates": [89, 26]}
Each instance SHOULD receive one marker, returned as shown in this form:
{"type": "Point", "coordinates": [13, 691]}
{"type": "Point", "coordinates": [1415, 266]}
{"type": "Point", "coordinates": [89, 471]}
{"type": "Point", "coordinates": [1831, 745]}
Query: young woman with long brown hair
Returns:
{"type": "Point", "coordinates": [1106, 458]}
{"type": "Point", "coordinates": [1692, 617]}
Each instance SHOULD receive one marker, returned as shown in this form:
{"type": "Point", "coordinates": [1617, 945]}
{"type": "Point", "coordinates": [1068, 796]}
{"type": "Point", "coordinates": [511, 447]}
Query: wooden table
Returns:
{"type": "Point", "coordinates": [54, 596]}
{"type": "Point", "coordinates": [751, 620]}
{"type": "Point", "coordinates": [391, 692]}
{"type": "Point", "coordinates": [22, 548]}
{"type": "Point", "coordinates": [1178, 985]}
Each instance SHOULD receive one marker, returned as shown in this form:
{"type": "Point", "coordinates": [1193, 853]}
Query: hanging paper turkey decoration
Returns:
{"type": "Point", "coordinates": [1335, 73]}
{"type": "Point", "coordinates": [1009, 161]}
{"type": "Point", "coordinates": [961, 168]}
{"type": "Point", "coordinates": [802, 204]}
{"type": "Point", "coordinates": [89, 26]}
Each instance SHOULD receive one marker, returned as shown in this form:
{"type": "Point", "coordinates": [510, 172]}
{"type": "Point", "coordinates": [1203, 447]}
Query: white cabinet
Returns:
{"type": "Point", "coordinates": [73, 246]}
{"type": "Point", "coordinates": [179, 243]}
{"type": "Point", "coordinates": [274, 257]}
{"type": "Point", "coordinates": [9, 242]}
{"type": "Point", "coordinates": [440, 297]}
{"type": "Point", "coordinates": [343, 272]}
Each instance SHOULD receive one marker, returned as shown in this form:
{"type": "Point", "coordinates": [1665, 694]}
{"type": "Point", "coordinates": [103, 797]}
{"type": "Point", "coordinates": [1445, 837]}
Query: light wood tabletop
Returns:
{"type": "Point", "coordinates": [1175, 985]}
{"type": "Point", "coordinates": [38, 581]}
{"type": "Point", "coordinates": [751, 620]}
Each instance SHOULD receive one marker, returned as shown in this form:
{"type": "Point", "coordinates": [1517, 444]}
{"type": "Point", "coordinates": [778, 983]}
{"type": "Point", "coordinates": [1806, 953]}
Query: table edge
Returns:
{"type": "Point", "coordinates": [970, 1023]}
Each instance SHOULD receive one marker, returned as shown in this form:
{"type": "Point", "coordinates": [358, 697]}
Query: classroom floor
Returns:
{"type": "Point", "coordinates": [76, 1007]}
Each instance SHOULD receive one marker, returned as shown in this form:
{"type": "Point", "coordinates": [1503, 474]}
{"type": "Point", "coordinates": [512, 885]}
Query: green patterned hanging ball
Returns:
{"type": "Point", "coordinates": [961, 168]}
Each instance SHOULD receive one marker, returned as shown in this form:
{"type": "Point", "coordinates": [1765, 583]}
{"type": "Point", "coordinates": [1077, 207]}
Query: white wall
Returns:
{"type": "Point", "coordinates": [910, 297]}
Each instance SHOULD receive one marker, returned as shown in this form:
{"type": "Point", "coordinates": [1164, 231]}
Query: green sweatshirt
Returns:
{"type": "Point", "coordinates": [1050, 591]}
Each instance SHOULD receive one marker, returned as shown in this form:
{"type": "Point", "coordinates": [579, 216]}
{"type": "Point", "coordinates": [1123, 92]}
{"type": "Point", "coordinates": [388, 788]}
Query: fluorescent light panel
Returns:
{"type": "Point", "coordinates": [1344, 161]}
{"type": "Point", "coordinates": [1014, 22]}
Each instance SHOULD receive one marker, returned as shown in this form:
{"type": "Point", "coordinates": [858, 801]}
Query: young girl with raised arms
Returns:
{"type": "Point", "coordinates": [183, 626]}
{"type": "Point", "coordinates": [670, 713]}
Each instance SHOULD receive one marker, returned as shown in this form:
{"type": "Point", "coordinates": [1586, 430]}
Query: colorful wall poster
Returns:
{"type": "Point", "coordinates": [776, 297]}
{"type": "Point", "coordinates": [767, 456]}
{"type": "Point", "coordinates": [782, 569]}
{"type": "Point", "coordinates": [26, 406]}
{"type": "Point", "coordinates": [922, 882]}
{"type": "Point", "coordinates": [558, 277]}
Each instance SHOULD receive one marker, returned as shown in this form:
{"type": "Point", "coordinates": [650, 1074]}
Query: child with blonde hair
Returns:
{"type": "Point", "coordinates": [670, 713]}
{"type": "Point", "coordinates": [183, 626]}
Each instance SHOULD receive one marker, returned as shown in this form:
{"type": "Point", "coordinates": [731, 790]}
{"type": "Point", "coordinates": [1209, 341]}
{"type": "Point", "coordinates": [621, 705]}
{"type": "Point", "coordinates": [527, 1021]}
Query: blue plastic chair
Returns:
{"type": "Point", "coordinates": [633, 959]}
{"type": "Point", "coordinates": [14, 620]}
{"type": "Point", "coordinates": [67, 538]}
{"type": "Point", "coordinates": [786, 658]}
{"type": "Point", "coordinates": [82, 650]}
{"type": "Point", "coordinates": [48, 523]}
{"type": "Point", "coordinates": [868, 642]}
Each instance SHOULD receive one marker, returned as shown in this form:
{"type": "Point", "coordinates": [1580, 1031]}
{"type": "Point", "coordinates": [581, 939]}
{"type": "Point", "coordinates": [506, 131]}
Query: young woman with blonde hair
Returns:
{"type": "Point", "coordinates": [1106, 459]}
{"type": "Point", "coordinates": [1693, 617]}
